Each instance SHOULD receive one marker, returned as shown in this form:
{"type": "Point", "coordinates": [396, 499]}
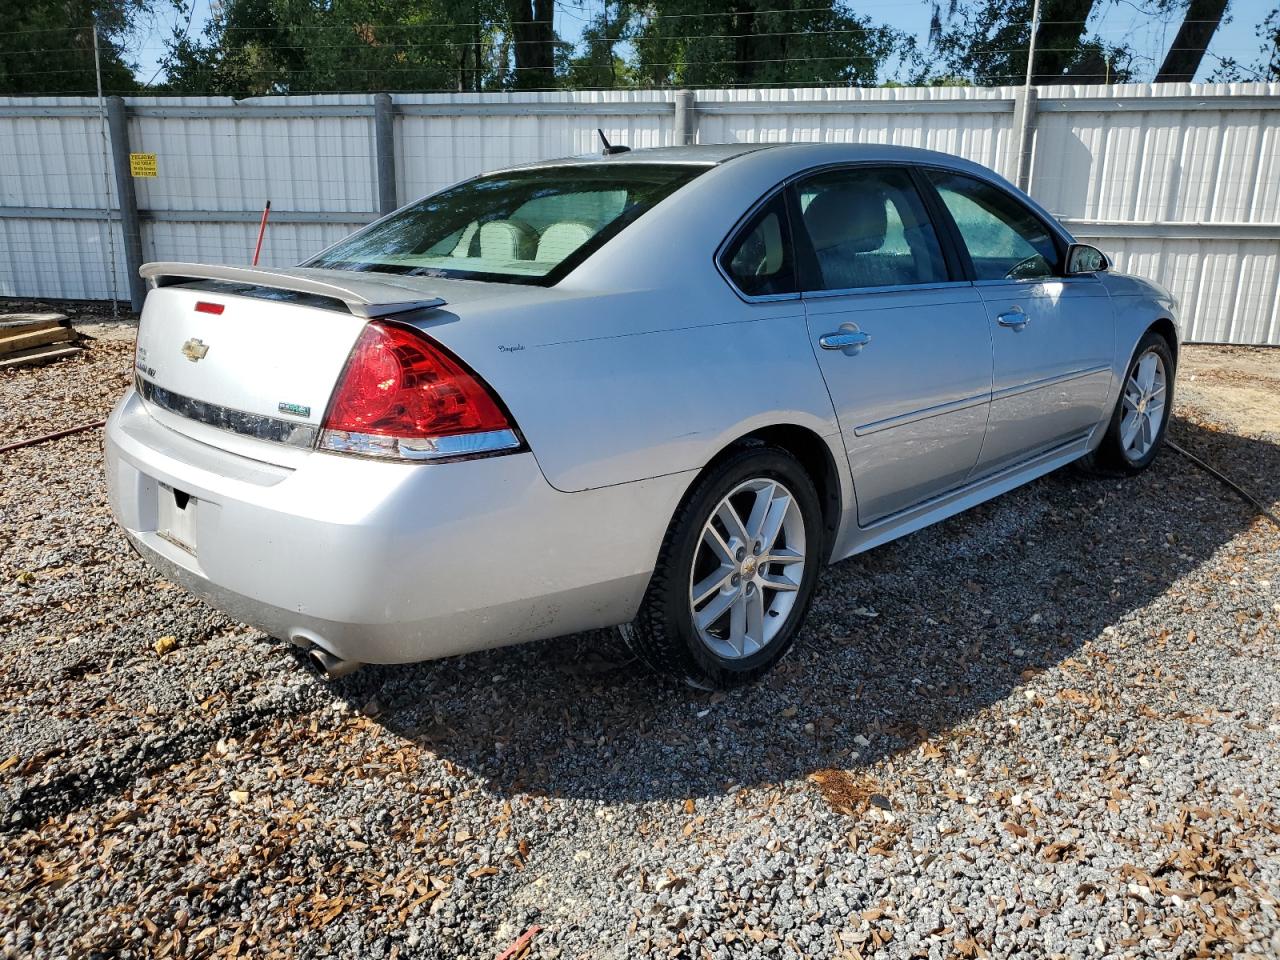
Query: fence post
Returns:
{"type": "Point", "coordinates": [130, 225]}
{"type": "Point", "coordinates": [384, 139]}
{"type": "Point", "coordinates": [1024, 122]}
{"type": "Point", "coordinates": [686, 126]}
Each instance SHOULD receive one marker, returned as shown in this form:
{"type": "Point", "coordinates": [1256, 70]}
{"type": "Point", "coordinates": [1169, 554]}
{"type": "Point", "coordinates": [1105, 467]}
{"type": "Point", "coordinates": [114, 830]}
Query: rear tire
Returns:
{"type": "Point", "coordinates": [1136, 430]}
{"type": "Point", "coordinates": [735, 574]}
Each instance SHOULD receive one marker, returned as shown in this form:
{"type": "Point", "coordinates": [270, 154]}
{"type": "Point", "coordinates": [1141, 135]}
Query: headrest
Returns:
{"type": "Point", "coordinates": [771, 235]}
{"type": "Point", "coordinates": [850, 216]}
{"type": "Point", "coordinates": [502, 240]}
{"type": "Point", "coordinates": [463, 247]}
{"type": "Point", "coordinates": [562, 238]}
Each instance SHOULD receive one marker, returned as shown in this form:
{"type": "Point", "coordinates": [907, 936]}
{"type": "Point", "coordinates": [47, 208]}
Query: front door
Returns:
{"type": "Point", "coordinates": [1052, 336]}
{"type": "Point", "coordinates": [904, 348]}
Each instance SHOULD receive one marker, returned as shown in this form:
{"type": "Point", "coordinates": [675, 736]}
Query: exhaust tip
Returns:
{"type": "Point", "coordinates": [333, 667]}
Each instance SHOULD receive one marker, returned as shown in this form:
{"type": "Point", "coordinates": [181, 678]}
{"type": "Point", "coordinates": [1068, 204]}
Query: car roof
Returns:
{"type": "Point", "coordinates": [702, 154]}
{"type": "Point", "coordinates": [714, 154]}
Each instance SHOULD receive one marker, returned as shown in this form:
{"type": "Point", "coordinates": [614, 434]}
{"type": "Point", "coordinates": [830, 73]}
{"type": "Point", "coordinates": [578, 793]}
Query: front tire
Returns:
{"type": "Point", "coordinates": [1137, 427]}
{"type": "Point", "coordinates": [735, 574]}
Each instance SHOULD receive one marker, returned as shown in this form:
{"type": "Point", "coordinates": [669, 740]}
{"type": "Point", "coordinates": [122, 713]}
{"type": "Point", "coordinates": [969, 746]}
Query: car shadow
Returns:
{"type": "Point", "coordinates": [903, 643]}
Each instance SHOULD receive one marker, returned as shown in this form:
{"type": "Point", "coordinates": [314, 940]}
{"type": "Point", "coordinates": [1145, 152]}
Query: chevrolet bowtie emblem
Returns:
{"type": "Point", "coordinates": [194, 349]}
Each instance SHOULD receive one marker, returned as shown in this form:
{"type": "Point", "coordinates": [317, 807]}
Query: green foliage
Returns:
{"type": "Point", "coordinates": [758, 42]}
{"type": "Point", "coordinates": [277, 46]}
{"type": "Point", "coordinates": [600, 64]}
{"type": "Point", "coordinates": [256, 47]}
{"type": "Point", "coordinates": [1266, 67]}
{"type": "Point", "coordinates": [985, 42]}
{"type": "Point", "coordinates": [294, 46]}
{"type": "Point", "coordinates": [41, 52]}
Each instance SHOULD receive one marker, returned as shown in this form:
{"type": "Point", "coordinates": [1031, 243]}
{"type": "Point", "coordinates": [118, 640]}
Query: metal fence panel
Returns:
{"type": "Point", "coordinates": [468, 134]}
{"type": "Point", "coordinates": [59, 163]}
{"type": "Point", "coordinates": [975, 123]}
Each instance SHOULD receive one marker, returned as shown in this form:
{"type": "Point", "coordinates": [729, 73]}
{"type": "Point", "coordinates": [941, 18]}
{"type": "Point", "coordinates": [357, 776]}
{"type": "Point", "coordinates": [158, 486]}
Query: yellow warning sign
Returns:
{"type": "Point", "coordinates": [142, 164]}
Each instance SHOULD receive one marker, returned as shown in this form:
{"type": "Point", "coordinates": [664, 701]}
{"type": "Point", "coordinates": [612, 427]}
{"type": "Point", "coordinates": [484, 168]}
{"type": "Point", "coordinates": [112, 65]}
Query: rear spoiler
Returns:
{"type": "Point", "coordinates": [364, 298]}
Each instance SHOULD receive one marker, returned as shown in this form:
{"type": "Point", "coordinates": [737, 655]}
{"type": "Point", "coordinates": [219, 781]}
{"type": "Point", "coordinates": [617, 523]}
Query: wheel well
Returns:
{"type": "Point", "coordinates": [814, 455]}
{"type": "Point", "coordinates": [1164, 326]}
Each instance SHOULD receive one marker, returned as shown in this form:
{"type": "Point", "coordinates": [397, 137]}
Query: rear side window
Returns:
{"type": "Point", "coordinates": [1005, 240]}
{"type": "Point", "coordinates": [760, 260]}
{"type": "Point", "coordinates": [869, 228]}
{"type": "Point", "coordinates": [525, 226]}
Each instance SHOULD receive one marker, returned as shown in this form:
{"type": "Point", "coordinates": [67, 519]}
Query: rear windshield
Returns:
{"type": "Point", "coordinates": [526, 226]}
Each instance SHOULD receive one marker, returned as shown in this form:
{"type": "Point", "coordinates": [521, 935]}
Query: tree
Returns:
{"type": "Point", "coordinates": [1270, 32]}
{"type": "Point", "coordinates": [534, 40]}
{"type": "Point", "coordinates": [46, 46]}
{"type": "Point", "coordinates": [1266, 67]}
{"type": "Point", "coordinates": [300, 46]}
{"type": "Point", "coordinates": [987, 41]}
{"type": "Point", "coordinates": [280, 46]}
{"type": "Point", "coordinates": [735, 42]}
{"type": "Point", "coordinates": [1191, 41]}
{"type": "Point", "coordinates": [599, 65]}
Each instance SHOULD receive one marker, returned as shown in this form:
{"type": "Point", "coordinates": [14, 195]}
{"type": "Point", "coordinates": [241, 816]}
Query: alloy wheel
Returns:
{"type": "Point", "coordinates": [747, 568]}
{"type": "Point", "coordinates": [1144, 403]}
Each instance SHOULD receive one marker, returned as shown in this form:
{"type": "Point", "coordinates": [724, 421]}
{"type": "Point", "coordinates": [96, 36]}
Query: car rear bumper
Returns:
{"type": "Point", "coordinates": [386, 562]}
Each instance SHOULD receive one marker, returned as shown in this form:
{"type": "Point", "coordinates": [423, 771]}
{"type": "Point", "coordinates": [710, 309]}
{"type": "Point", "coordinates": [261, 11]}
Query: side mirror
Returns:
{"type": "Point", "coordinates": [1082, 258]}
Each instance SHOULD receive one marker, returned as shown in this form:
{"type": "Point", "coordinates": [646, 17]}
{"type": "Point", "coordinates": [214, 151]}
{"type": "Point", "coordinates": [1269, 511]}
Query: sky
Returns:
{"type": "Point", "coordinates": [1122, 20]}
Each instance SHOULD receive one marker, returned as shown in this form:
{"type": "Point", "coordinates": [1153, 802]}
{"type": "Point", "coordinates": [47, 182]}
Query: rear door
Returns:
{"type": "Point", "coordinates": [901, 338]}
{"type": "Point", "coordinates": [1052, 336]}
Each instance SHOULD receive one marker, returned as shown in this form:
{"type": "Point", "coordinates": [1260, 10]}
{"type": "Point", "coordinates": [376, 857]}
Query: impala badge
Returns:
{"type": "Point", "coordinates": [194, 349]}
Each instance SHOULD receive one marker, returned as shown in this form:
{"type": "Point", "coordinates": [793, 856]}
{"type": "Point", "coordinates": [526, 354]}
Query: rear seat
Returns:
{"type": "Point", "coordinates": [562, 238]}
{"type": "Point", "coordinates": [504, 240]}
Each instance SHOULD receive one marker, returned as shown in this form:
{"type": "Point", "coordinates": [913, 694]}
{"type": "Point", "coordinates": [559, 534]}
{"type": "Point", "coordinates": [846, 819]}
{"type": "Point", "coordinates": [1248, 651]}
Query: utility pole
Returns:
{"type": "Point", "coordinates": [106, 180]}
{"type": "Point", "coordinates": [1022, 168]}
{"type": "Point", "coordinates": [1031, 45]}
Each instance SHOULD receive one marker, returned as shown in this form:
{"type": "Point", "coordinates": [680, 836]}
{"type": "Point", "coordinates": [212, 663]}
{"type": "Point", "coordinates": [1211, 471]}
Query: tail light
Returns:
{"type": "Point", "coordinates": [404, 397]}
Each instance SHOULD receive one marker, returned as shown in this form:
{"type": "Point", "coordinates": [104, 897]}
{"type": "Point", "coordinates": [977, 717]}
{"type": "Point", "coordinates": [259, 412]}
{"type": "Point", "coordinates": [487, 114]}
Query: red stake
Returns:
{"type": "Point", "coordinates": [517, 948]}
{"type": "Point", "coordinates": [56, 435]}
{"type": "Point", "coordinates": [262, 229]}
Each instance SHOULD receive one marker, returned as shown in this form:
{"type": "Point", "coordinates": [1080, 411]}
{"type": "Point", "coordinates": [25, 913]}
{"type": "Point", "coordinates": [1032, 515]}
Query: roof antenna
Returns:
{"type": "Point", "coordinates": [610, 149]}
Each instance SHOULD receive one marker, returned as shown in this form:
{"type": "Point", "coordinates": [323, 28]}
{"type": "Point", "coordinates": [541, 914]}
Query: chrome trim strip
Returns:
{"type": "Point", "coordinates": [1021, 388]}
{"type": "Point", "coordinates": [892, 288]}
{"type": "Point", "coordinates": [401, 448]}
{"type": "Point", "coordinates": [928, 412]}
{"type": "Point", "coordinates": [224, 418]}
{"type": "Point", "coordinates": [1025, 281]}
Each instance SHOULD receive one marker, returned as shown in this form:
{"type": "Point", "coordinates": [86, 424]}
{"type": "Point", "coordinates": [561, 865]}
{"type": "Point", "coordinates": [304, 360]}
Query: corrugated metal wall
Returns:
{"type": "Point", "coordinates": [1177, 182]}
{"type": "Point", "coordinates": [57, 162]}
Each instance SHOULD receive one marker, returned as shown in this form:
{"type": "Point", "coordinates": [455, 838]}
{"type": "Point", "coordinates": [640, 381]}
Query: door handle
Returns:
{"type": "Point", "coordinates": [1015, 319]}
{"type": "Point", "coordinates": [850, 341]}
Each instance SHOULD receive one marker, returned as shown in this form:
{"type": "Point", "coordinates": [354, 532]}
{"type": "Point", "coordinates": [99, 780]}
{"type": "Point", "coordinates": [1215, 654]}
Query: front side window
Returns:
{"type": "Point", "coordinates": [869, 228]}
{"type": "Point", "coordinates": [525, 226]}
{"type": "Point", "coordinates": [760, 260]}
{"type": "Point", "coordinates": [1006, 241]}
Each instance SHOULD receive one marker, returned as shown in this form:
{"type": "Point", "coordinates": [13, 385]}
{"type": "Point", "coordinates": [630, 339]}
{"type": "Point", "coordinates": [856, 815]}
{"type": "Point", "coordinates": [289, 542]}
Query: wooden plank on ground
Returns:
{"type": "Point", "coordinates": [32, 321]}
{"type": "Point", "coordinates": [38, 355]}
{"type": "Point", "coordinates": [20, 339]}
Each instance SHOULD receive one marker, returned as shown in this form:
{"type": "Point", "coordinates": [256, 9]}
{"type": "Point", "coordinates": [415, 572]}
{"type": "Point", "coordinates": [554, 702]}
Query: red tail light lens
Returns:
{"type": "Point", "coordinates": [404, 397]}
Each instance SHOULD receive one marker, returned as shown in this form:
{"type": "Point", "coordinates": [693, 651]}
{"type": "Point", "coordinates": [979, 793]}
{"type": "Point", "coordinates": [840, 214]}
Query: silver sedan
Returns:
{"type": "Point", "coordinates": [656, 389]}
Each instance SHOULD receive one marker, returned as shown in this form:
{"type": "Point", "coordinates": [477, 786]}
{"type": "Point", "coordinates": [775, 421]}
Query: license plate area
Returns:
{"type": "Point", "coordinates": [176, 517]}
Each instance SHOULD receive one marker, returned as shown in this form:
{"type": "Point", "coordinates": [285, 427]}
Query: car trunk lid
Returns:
{"type": "Point", "coordinates": [246, 359]}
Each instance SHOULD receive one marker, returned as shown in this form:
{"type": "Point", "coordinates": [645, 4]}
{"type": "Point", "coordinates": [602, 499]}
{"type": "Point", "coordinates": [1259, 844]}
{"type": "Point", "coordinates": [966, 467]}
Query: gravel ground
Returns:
{"type": "Point", "coordinates": [1048, 727]}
